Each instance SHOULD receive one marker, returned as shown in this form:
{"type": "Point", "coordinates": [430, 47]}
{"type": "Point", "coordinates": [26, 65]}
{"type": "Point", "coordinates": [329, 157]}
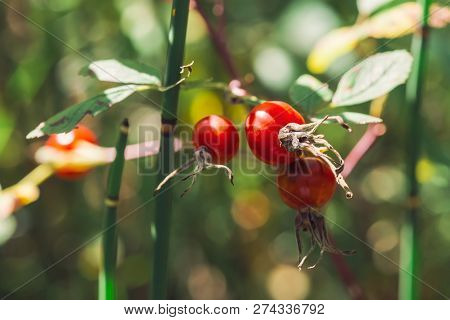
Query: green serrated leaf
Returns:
{"type": "Point", "coordinates": [67, 119]}
{"type": "Point", "coordinates": [359, 118]}
{"type": "Point", "coordinates": [373, 77]}
{"type": "Point", "coordinates": [122, 71]}
{"type": "Point", "coordinates": [309, 93]}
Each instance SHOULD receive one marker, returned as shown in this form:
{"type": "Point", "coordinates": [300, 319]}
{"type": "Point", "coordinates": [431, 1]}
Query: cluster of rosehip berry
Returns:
{"type": "Point", "coordinates": [277, 135]}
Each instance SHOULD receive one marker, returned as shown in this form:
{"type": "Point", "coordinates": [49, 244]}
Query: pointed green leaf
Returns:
{"type": "Point", "coordinates": [359, 118]}
{"type": "Point", "coordinates": [122, 71]}
{"type": "Point", "coordinates": [373, 77]}
{"type": "Point", "coordinates": [309, 93]}
{"type": "Point", "coordinates": [67, 119]}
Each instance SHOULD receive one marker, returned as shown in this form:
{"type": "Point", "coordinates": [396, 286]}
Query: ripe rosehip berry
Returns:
{"type": "Point", "coordinates": [216, 141]}
{"type": "Point", "coordinates": [219, 136]}
{"type": "Point", "coordinates": [306, 185]}
{"type": "Point", "coordinates": [67, 142]}
{"type": "Point", "coordinates": [262, 127]}
{"type": "Point", "coordinates": [306, 182]}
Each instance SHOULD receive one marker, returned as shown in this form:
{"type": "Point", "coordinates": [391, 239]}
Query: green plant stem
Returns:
{"type": "Point", "coordinates": [163, 202]}
{"type": "Point", "coordinates": [107, 282]}
{"type": "Point", "coordinates": [218, 40]}
{"type": "Point", "coordinates": [408, 285]}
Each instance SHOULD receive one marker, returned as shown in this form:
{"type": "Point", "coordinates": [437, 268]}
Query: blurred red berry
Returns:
{"type": "Point", "coordinates": [67, 142]}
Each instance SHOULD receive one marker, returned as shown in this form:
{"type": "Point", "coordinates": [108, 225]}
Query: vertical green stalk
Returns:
{"type": "Point", "coordinates": [107, 282]}
{"type": "Point", "coordinates": [163, 206]}
{"type": "Point", "coordinates": [408, 285]}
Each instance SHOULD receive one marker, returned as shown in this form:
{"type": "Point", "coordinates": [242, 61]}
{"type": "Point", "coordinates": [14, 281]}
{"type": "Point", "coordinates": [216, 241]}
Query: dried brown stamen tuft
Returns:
{"type": "Point", "coordinates": [301, 138]}
{"type": "Point", "coordinates": [202, 161]}
{"type": "Point", "coordinates": [314, 223]}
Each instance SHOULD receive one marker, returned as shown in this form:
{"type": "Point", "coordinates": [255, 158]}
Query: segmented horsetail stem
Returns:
{"type": "Point", "coordinates": [164, 200]}
{"type": "Point", "coordinates": [409, 255]}
{"type": "Point", "coordinates": [107, 279]}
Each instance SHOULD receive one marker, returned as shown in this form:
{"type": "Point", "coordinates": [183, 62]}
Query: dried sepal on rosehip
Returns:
{"type": "Point", "coordinates": [300, 138]}
{"type": "Point", "coordinates": [307, 185]}
{"type": "Point", "coordinates": [313, 221]}
{"type": "Point", "coordinates": [216, 141]}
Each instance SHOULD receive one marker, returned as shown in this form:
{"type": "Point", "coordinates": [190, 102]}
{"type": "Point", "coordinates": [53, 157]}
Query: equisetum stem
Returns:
{"type": "Point", "coordinates": [408, 286]}
{"type": "Point", "coordinates": [107, 282]}
{"type": "Point", "coordinates": [163, 202]}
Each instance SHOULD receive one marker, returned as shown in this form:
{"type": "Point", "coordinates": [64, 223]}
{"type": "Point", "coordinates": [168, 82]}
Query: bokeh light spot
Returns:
{"type": "Point", "coordinates": [383, 235]}
{"type": "Point", "coordinates": [283, 248]}
{"type": "Point", "coordinates": [286, 282]}
{"type": "Point", "coordinates": [425, 170]}
{"type": "Point", "coordinates": [237, 113]}
{"type": "Point", "coordinates": [303, 23]}
{"type": "Point", "coordinates": [206, 282]}
{"type": "Point", "coordinates": [196, 27]}
{"type": "Point", "coordinates": [251, 209]}
{"type": "Point", "coordinates": [274, 68]}
{"type": "Point", "coordinates": [7, 228]}
{"type": "Point", "coordinates": [384, 184]}
{"type": "Point", "coordinates": [204, 104]}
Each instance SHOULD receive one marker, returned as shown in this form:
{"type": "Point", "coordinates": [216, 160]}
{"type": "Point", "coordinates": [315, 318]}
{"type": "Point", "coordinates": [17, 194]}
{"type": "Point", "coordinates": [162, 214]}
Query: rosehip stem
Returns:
{"type": "Point", "coordinates": [373, 132]}
{"type": "Point", "coordinates": [218, 40]}
{"type": "Point", "coordinates": [107, 282]}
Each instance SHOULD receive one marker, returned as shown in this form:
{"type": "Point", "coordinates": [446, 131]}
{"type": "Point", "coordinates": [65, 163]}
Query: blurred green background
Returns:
{"type": "Point", "coordinates": [227, 242]}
